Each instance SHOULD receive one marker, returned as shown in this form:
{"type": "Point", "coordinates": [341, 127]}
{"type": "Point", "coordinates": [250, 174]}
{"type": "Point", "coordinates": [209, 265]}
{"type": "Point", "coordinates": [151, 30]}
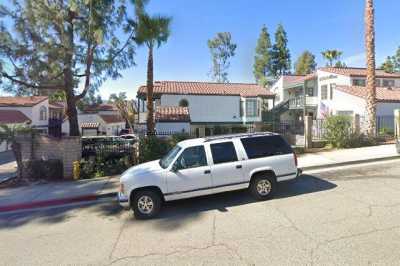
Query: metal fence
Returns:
{"type": "Point", "coordinates": [106, 148]}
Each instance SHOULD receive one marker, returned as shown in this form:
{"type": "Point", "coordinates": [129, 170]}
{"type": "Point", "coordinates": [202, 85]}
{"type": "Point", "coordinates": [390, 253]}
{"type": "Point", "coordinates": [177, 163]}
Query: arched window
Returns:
{"type": "Point", "coordinates": [43, 113]}
{"type": "Point", "coordinates": [183, 103]}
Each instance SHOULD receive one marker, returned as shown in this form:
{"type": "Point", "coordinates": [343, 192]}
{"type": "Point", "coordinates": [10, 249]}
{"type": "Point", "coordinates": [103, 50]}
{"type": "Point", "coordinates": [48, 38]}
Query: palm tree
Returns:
{"type": "Point", "coordinates": [8, 135]}
{"type": "Point", "coordinates": [370, 51]}
{"type": "Point", "coordinates": [151, 31]}
{"type": "Point", "coordinates": [331, 56]}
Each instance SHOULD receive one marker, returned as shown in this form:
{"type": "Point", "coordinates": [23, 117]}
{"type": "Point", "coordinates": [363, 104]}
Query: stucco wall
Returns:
{"type": "Point", "coordinates": [66, 149]}
{"type": "Point", "coordinates": [206, 108]}
{"type": "Point", "coordinates": [173, 127]}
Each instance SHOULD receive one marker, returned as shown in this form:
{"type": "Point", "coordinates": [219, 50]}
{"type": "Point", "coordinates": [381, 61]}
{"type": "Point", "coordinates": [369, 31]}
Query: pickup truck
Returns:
{"type": "Point", "coordinates": [204, 166]}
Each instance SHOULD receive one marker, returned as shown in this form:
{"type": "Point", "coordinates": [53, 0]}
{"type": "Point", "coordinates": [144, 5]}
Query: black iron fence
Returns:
{"type": "Point", "coordinates": [108, 148]}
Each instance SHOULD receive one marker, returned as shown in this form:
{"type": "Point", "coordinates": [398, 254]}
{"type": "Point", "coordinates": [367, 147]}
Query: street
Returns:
{"type": "Point", "coordinates": [347, 216]}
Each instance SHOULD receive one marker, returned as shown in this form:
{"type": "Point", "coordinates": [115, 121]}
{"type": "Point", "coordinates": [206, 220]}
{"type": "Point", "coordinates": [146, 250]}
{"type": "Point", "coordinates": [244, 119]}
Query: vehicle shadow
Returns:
{"type": "Point", "coordinates": [179, 212]}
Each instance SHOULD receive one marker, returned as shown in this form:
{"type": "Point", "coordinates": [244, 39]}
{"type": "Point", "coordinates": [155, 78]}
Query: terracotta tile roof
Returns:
{"type": "Point", "coordinates": [382, 94]}
{"type": "Point", "coordinates": [92, 125]}
{"type": "Point", "coordinates": [293, 79]}
{"type": "Point", "coordinates": [13, 117]}
{"type": "Point", "coordinates": [109, 119]}
{"type": "Point", "coordinates": [358, 72]}
{"type": "Point", "coordinates": [207, 88]}
{"type": "Point", "coordinates": [57, 105]}
{"type": "Point", "coordinates": [172, 114]}
{"type": "Point", "coordinates": [21, 101]}
{"type": "Point", "coordinates": [100, 107]}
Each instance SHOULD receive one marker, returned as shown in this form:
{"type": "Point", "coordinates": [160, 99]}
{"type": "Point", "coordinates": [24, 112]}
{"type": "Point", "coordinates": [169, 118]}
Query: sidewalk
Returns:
{"type": "Point", "coordinates": [40, 195]}
{"type": "Point", "coordinates": [58, 193]}
{"type": "Point", "coordinates": [317, 160]}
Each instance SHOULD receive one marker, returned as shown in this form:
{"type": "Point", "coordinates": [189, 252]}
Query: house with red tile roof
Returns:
{"type": "Point", "coordinates": [35, 109]}
{"type": "Point", "coordinates": [331, 90]}
{"type": "Point", "coordinates": [207, 104]}
{"type": "Point", "coordinates": [97, 120]}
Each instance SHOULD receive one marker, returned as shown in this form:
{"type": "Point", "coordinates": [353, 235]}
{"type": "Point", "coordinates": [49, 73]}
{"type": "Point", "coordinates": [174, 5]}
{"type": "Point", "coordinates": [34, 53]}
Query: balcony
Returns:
{"type": "Point", "coordinates": [298, 102]}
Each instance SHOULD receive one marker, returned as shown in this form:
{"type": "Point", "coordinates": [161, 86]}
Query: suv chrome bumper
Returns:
{"type": "Point", "coordinates": [123, 200]}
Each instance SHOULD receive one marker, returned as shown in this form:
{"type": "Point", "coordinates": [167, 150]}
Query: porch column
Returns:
{"type": "Point", "coordinates": [308, 120]}
{"type": "Point", "coordinates": [356, 124]}
{"type": "Point", "coordinates": [397, 123]}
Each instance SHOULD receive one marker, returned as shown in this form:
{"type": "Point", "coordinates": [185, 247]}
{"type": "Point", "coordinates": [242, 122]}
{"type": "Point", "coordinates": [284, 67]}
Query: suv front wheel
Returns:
{"type": "Point", "coordinates": [146, 204]}
{"type": "Point", "coordinates": [263, 187]}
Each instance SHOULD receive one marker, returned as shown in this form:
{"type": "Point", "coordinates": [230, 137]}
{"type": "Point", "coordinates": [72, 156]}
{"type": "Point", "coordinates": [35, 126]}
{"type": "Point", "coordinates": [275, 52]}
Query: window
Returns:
{"type": "Point", "coordinates": [310, 92]}
{"type": "Point", "coordinates": [241, 102]}
{"type": "Point", "coordinates": [259, 147]}
{"type": "Point", "coordinates": [388, 83]}
{"type": "Point", "coordinates": [251, 107]}
{"type": "Point", "coordinates": [169, 157]}
{"type": "Point", "coordinates": [359, 82]}
{"type": "Point", "coordinates": [43, 113]}
{"type": "Point", "coordinates": [223, 152]}
{"type": "Point", "coordinates": [333, 86]}
{"type": "Point", "coordinates": [183, 103]}
{"type": "Point", "coordinates": [192, 157]}
{"type": "Point", "coordinates": [324, 92]}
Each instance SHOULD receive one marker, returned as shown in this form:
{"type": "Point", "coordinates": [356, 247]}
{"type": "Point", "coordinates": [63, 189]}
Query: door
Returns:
{"type": "Point", "coordinates": [226, 170]}
{"type": "Point", "coordinates": [190, 175]}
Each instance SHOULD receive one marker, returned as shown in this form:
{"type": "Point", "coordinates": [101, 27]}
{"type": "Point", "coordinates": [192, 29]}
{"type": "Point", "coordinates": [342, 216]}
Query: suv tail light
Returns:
{"type": "Point", "coordinates": [295, 158]}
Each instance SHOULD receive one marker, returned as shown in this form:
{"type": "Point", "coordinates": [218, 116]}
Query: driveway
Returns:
{"type": "Point", "coordinates": [8, 166]}
{"type": "Point", "coordinates": [347, 216]}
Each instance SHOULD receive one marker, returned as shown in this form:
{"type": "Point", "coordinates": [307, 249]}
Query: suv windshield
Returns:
{"type": "Point", "coordinates": [169, 157]}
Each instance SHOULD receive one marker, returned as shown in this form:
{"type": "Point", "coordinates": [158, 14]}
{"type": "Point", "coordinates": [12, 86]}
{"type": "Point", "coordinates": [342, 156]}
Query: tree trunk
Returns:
{"type": "Point", "coordinates": [72, 113]}
{"type": "Point", "coordinates": [150, 109]}
{"type": "Point", "coordinates": [16, 148]}
{"type": "Point", "coordinates": [370, 51]}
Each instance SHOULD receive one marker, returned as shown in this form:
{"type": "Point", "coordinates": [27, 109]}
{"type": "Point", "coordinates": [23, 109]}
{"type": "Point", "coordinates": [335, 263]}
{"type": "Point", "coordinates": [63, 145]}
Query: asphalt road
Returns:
{"type": "Point", "coordinates": [346, 216]}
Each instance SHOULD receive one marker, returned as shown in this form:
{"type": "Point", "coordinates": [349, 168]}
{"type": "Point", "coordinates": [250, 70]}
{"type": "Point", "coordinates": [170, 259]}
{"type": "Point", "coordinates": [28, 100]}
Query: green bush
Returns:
{"type": "Point", "coordinates": [152, 148]}
{"type": "Point", "coordinates": [386, 131]}
{"type": "Point", "coordinates": [337, 130]}
{"type": "Point", "coordinates": [43, 169]}
{"type": "Point", "coordinates": [104, 166]}
{"type": "Point", "coordinates": [239, 129]}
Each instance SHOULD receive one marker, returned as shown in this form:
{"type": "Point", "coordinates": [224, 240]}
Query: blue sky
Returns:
{"type": "Point", "coordinates": [311, 24]}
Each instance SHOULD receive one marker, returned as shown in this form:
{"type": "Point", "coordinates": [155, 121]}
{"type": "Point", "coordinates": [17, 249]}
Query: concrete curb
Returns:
{"type": "Point", "coordinates": [331, 165]}
{"type": "Point", "coordinates": [55, 202]}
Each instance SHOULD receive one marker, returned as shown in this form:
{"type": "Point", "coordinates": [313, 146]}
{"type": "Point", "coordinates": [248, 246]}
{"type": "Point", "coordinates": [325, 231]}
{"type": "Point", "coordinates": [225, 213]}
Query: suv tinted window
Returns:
{"type": "Point", "coordinates": [223, 152]}
{"type": "Point", "coordinates": [192, 157]}
{"type": "Point", "coordinates": [265, 146]}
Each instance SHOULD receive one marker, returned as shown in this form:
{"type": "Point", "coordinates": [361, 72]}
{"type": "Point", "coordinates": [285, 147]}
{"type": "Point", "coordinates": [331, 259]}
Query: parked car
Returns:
{"type": "Point", "coordinates": [203, 166]}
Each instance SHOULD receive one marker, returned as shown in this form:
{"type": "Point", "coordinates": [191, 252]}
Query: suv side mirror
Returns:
{"type": "Point", "coordinates": [174, 168]}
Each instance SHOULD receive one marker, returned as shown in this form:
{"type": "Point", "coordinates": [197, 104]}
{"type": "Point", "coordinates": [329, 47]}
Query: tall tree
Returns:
{"type": "Point", "coordinates": [222, 49]}
{"type": "Point", "coordinates": [305, 64]}
{"type": "Point", "coordinates": [152, 32]}
{"type": "Point", "coordinates": [281, 62]}
{"type": "Point", "coordinates": [332, 57]}
{"type": "Point", "coordinates": [388, 66]}
{"type": "Point", "coordinates": [370, 51]}
{"type": "Point", "coordinates": [262, 59]}
{"type": "Point", "coordinates": [63, 45]}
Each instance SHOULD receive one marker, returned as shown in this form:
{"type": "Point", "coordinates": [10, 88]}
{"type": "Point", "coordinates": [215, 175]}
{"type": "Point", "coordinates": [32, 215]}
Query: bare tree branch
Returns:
{"type": "Point", "coordinates": [29, 85]}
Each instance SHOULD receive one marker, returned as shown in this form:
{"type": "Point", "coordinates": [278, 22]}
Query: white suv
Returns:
{"type": "Point", "coordinates": [198, 167]}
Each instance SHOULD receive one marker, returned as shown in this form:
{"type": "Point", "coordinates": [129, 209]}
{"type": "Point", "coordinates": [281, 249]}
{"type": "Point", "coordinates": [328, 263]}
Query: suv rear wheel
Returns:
{"type": "Point", "coordinates": [263, 187]}
{"type": "Point", "coordinates": [146, 204]}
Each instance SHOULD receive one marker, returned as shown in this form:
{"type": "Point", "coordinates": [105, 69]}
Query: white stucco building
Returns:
{"type": "Point", "coordinates": [209, 104]}
{"type": "Point", "coordinates": [102, 119]}
{"type": "Point", "coordinates": [332, 90]}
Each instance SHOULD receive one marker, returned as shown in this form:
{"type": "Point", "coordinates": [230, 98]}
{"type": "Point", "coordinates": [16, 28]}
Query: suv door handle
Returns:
{"type": "Point", "coordinates": [238, 166]}
{"type": "Point", "coordinates": [206, 172]}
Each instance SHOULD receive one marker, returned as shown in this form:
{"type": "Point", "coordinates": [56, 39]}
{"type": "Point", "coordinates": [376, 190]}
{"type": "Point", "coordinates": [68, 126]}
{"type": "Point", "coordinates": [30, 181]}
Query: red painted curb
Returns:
{"type": "Point", "coordinates": [47, 203]}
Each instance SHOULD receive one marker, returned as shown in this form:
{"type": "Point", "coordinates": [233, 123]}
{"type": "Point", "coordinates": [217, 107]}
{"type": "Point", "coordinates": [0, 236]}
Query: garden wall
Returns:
{"type": "Point", "coordinates": [40, 147]}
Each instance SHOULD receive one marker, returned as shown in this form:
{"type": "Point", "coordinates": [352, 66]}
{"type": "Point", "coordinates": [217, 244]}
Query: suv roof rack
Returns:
{"type": "Point", "coordinates": [240, 135]}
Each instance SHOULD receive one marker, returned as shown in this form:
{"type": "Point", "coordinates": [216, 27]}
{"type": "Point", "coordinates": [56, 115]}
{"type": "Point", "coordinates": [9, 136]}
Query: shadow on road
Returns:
{"type": "Point", "coordinates": [174, 214]}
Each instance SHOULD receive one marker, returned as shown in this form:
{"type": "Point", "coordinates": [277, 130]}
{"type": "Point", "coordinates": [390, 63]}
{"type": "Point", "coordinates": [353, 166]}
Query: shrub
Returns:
{"type": "Point", "coordinates": [152, 148]}
{"type": "Point", "coordinates": [338, 130]}
{"type": "Point", "coordinates": [178, 138]}
{"type": "Point", "coordinates": [99, 166]}
{"type": "Point", "coordinates": [239, 129]}
{"type": "Point", "coordinates": [43, 169]}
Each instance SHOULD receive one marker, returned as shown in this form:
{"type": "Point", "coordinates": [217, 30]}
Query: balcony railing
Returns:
{"type": "Point", "coordinates": [298, 102]}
